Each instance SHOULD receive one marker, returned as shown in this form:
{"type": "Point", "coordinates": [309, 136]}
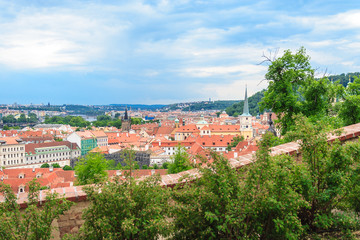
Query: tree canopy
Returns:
{"type": "Point", "coordinates": [293, 89]}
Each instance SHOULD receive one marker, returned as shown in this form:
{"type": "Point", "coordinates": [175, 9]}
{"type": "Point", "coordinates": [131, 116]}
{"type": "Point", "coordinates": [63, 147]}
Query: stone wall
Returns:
{"type": "Point", "coordinates": [70, 222]}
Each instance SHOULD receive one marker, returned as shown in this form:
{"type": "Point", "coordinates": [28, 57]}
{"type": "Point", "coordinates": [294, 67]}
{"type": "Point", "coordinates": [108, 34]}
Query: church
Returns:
{"type": "Point", "coordinates": [246, 129]}
{"type": "Point", "coordinates": [126, 122]}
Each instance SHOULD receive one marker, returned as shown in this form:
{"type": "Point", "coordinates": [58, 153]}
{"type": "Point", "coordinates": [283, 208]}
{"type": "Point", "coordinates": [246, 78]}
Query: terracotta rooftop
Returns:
{"type": "Point", "coordinates": [76, 194]}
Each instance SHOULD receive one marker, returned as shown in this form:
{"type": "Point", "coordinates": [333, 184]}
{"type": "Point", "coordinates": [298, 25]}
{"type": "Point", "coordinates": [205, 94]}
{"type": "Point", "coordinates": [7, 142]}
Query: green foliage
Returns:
{"type": "Point", "coordinates": [180, 160]}
{"type": "Point", "coordinates": [45, 165]}
{"type": "Point", "coordinates": [136, 121]}
{"type": "Point", "coordinates": [126, 209]}
{"type": "Point", "coordinates": [350, 108]}
{"type": "Point", "coordinates": [165, 165]}
{"type": "Point", "coordinates": [74, 121]}
{"type": "Point", "coordinates": [325, 182]}
{"type": "Point", "coordinates": [237, 108]}
{"type": "Point", "coordinates": [67, 168]}
{"type": "Point", "coordinates": [34, 223]}
{"type": "Point", "coordinates": [270, 197]}
{"type": "Point", "coordinates": [207, 208]}
{"type": "Point", "coordinates": [6, 127]}
{"type": "Point", "coordinates": [55, 165]}
{"type": "Point", "coordinates": [235, 142]}
{"type": "Point", "coordinates": [91, 169]}
{"type": "Point", "coordinates": [205, 105]}
{"type": "Point", "coordinates": [293, 89]}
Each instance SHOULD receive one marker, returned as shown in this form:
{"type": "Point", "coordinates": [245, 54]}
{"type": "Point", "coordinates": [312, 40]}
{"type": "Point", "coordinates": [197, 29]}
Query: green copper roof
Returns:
{"type": "Point", "coordinates": [246, 105]}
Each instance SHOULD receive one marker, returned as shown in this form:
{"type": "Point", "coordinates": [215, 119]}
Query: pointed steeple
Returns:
{"type": "Point", "coordinates": [126, 114]}
{"type": "Point", "coordinates": [246, 105]}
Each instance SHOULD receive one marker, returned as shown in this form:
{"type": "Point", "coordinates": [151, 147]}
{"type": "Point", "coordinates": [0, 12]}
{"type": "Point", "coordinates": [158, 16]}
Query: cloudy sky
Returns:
{"type": "Point", "coordinates": [103, 52]}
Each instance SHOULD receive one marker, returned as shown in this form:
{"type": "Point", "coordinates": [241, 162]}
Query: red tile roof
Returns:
{"type": "Point", "coordinates": [30, 148]}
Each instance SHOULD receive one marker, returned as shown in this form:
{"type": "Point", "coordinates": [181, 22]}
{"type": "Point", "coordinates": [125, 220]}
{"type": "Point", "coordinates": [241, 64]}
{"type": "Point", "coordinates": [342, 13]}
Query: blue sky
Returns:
{"type": "Point", "coordinates": [103, 52]}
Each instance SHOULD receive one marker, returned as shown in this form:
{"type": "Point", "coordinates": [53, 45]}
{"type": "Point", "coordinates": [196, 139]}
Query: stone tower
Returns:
{"type": "Point", "coordinates": [246, 120]}
{"type": "Point", "coordinates": [126, 122]}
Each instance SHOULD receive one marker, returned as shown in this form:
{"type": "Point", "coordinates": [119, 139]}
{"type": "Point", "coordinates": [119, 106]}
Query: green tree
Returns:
{"type": "Point", "coordinates": [165, 165]}
{"type": "Point", "coordinates": [91, 169]}
{"type": "Point", "coordinates": [205, 208]}
{"type": "Point", "coordinates": [293, 89]}
{"type": "Point", "coordinates": [34, 223]}
{"type": "Point", "coordinates": [56, 165]}
{"type": "Point", "coordinates": [235, 142]}
{"type": "Point", "coordinates": [180, 161]}
{"type": "Point", "coordinates": [350, 108]}
{"type": "Point", "coordinates": [126, 208]}
{"type": "Point", "coordinates": [22, 118]}
{"type": "Point", "coordinates": [45, 165]}
{"type": "Point", "coordinates": [67, 168]}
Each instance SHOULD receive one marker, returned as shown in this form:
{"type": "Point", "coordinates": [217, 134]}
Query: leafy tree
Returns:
{"type": "Point", "coordinates": [22, 118]}
{"type": "Point", "coordinates": [91, 169]}
{"type": "Point", "coordinates": [55, 165]}
{"type": "Point", "coordinates": [45, 165]}
{"type": "Point", "coordinates": [350, 108]}
{"type": "Point", "coordinates": [6, 127]}
{"type": "Point", "coordinates": [34, 223]}
{"type": "Point", "coordinates": [9, 119]}
{"type": "Point", "coordinates": [126, 209]}
{"type": "Point", "coordinates": [136, 121]}
{"type": "Point", "coordinates": [165, 165]}
{"type": "Point", "coordinates": [67, 168]}
{"type": "Point", "coordinates": [32, 118]}
{"type": "Point", "coordinates": [325, 181]}
{"type": "Point", "coordinates": [180, 162]}
{"type": "Point", "coordinates": [207, 208]}
{"type": "Point", "coordinates": [293, 89]}
{"type": "Point", "coordinates": [235, 142]}
{"type": "Point", "coordinates": [270, 200]}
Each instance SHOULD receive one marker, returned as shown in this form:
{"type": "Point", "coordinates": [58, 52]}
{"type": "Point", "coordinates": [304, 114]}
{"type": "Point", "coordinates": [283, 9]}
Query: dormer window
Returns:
{"type": "Point", "coordinates": [38, 175]}
{"type": "Point", "coordinates": [21, 189]}
{"type": "Point", "coordinates": [21, 175]}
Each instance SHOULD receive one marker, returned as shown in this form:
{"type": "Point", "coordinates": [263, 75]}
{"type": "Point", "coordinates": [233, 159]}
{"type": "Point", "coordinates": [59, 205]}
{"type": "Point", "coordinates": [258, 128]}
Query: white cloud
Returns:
{"type": "Point", "coordinates": [239, 70]}
{"type": "Point", "coordinates": [45, 39]}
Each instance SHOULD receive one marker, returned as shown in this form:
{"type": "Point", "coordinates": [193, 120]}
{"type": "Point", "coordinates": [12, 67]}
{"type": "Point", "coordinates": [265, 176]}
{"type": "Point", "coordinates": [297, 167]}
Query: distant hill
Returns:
{"type": "Point", "coordinates": [200, 106]}
{"type": "Point", "coordinates": [344, 78]}
{"type": "Point", "coordinates": [136, 106]}
{"type": "Point", "coordinates": [237, 108]}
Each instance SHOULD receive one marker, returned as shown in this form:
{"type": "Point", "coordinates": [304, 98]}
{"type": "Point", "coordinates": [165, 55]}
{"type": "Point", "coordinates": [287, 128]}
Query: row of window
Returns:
{"type": "Point", "coordinates": [12, 155]}
{"type": "Point", "coordinates": [12, 162]}
{"type": "Point", "coordinates": [51, 155]}
{"type": "Point", "coordinates": [11, 149]}
{"type": "Point", "coordinates": [52, 149]}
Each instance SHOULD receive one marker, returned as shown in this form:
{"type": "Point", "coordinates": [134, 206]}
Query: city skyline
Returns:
{"type": "Point", "coordinates": [162, 52]}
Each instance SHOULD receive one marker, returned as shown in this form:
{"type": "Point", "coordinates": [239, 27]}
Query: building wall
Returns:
{"type": "Point", "coordinates": [52, 155]}
{"type": "Point", "coordinates": [12, 154]}
{"type": "Point", "coordinates": [88, 145]}
{"type": "Point", "coordinates": [102, 141]}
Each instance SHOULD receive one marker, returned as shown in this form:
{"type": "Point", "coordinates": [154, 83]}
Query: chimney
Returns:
{"type": "Point", "coordinates": [118, 173]}
{"type": "Point", "coordinates": [51, 168]}
{"type": "Point", "coordinates": [152, 172]}
{"type": "Point", "coordinates": [33, 168]}
{"type": "Point", "coordinates": [159, 143]}
{"type": "Point", "coordinates": [235, 154]}
{"type": "Point", "coordinates": [1, 169]}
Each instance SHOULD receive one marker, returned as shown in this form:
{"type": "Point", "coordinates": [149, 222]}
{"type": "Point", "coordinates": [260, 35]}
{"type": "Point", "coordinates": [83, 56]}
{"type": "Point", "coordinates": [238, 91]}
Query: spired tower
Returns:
{"type": "Point", "coordinates": [246, 129]}
{"type": "Point", "coordinates": [126, 122]}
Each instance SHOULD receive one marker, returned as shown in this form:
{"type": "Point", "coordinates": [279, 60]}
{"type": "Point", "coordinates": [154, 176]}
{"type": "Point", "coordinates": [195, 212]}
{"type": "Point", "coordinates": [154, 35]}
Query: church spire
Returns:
{"type": "Point", "coordinates": [246, 105]}
{"type": "Point", "coordinates": [126, 114]}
